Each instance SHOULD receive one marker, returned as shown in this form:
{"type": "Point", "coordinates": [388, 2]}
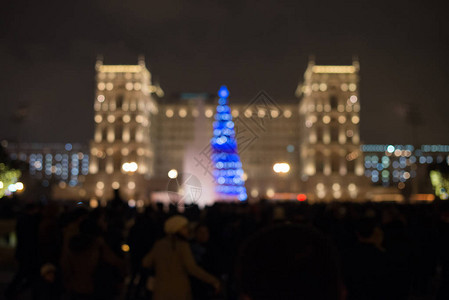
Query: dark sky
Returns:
{"type": "Point", "coordinates": [48, 51]}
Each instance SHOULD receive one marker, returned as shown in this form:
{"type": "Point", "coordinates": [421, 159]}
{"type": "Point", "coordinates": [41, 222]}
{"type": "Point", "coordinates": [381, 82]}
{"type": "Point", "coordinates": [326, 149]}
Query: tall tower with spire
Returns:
{"type": "Point", "coordinates": [122, 151]}
{"type": "Point", "coordinates": [330, 157]}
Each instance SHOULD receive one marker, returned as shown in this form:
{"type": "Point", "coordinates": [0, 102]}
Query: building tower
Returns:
{"type": "Point", "coordinates": [122, 151]}
{"type": "Point", "coordinates": [330, 157]}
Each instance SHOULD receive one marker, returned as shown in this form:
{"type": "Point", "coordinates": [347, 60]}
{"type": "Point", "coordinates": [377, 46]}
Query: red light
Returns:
{"type": "Point", "coordinates": [301, 197]}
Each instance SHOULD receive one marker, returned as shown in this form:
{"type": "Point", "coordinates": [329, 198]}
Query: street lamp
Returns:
{"type": "Point", "coordinates": [282, 168]}
{"type": "Point", "coordinates": [130, 167]}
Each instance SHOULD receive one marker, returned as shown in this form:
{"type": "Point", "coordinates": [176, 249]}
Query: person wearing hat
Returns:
{"type": "Point", "coordinates": [173, 262]}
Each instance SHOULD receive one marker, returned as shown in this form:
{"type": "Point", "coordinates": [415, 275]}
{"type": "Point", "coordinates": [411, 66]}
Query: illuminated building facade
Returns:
{"type": "Point", "coordinates": [331, 162]}
{"type": "Point", "coordinates": [403, 166]}
{"type": "Point", "coordinates": [139, 139]}
{"type": "Point", "coordinates": [66, 164]}
{"type": "Point", "coordinates": [122, 151]}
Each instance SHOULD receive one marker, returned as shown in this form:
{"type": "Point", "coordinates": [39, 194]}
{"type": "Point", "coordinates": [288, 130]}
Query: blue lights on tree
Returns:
{"type": "Point", "coordinates": [228, 170]}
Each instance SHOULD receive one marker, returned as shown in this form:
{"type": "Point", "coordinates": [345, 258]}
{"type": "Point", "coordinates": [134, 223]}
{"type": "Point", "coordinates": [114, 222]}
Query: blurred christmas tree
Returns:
{"type": "Point", "coordinates": [228, 170]}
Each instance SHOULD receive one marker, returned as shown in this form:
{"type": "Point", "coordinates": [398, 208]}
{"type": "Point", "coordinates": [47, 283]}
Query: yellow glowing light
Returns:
{"type": "Point", "coordinates": [120, 68]}
{"type": "Point", "coordinates": [355, 119]}
{"type": "Point", "coordinates": [323, 87]}
{"type": "Point", "coordinates": [326, 119]}
{"type": "Point", "coordinates": [101, 86]}
{"type": "Point", "coordinates": [131, 185]}
{"type": "Point", "coordinates": [254, 193]}
{"type": "Point", "coordinates": [169, 113]}
{"type": "Point", "coordinates": [129, 86]}
{"type": "Point", "coordinates": [341, 119]}
{"type": "Point", "coordinates": [209, 113]}
{"type": "Point", "coordinates": [333, 69]}
{"type": "Point", "coordinates": [1, 184]}
{"type": "Point", "coordinates": [270, 193]}
{"type": "Point", "coordinates": [344, 87]}
{"type": "Point", "coordinates": [287, 113]}
{"type": "Point", "coordinates": [137, 86]}
{"type": "Point", "coordinates": [235, 113]}
{"type": "Point", "coordinates": [98, 118]}
{"type": "Point", "coordinates": [100, 185]}
{"type": "Point", "coordinates": [248, 113]}
{"type": "Point", "coordinates": [111, 119]}
{"type": "Point", "coordinates": [182, 112]}
{"type": "Point", "coordinates": [109, 86]}
{"type": "Point", "coordinates": [126, 118]}
{"type": "Point", "coordinates": [115, 185]}
{"type": "Point", "coordinates": [261, 113]}
{"type": "Point", "coordinates": [352, 87]}
{"type": "Point", "coordinates": [125, 248]}
{"type": "Point", "coordinates": [93, 203]}
{"type": "Point", "coordinates": [274, 113]}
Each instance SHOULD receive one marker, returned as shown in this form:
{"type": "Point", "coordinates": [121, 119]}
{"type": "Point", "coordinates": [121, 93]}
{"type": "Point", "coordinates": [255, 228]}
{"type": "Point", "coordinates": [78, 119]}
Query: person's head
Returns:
{"type": "Point", "coordinates": [48, 272]}
{"type": "Point", "coordinates": [202, 234]}
{"type": "Point", "coordinates": [289, 262]}
{"type": "Point", "coordinates": [177, 225]}
{"type": "Point", "coordinates": [369, 232]}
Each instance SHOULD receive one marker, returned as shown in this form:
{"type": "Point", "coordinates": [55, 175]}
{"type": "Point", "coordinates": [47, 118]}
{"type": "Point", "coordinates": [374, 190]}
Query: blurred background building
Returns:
{"type": "Point", "coordinates": [290, 148]}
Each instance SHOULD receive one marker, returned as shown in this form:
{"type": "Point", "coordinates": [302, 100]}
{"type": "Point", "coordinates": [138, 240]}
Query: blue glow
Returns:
{"type": "Point", "coordinates": [223, 92]}
{"type": "Point", "coordinates": [228, 171]}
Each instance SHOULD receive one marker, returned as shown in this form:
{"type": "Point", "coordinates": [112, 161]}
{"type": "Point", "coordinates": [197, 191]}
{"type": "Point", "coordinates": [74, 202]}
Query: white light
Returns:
{"type": "Point", "coordinates": [132, 203]}
{"type": "Point", "coordinates": [100, 98]}
{"type": "Point", "coordinates": [19, 186]}
{"type": "Point", "coordinates": [172, 174]}
{"type": "Point", "coordinates": [132, 167]}
{"type": "Point", "coordinates": [281, 167]}
{"type": "Point", "coordinates": [390, 149]}
{"type": "Point", "coordinates": [1, 184]}
{"type": "Point", "coordinates": [353, 99]}
{"type": "Point", "coordinates": [12, 188]}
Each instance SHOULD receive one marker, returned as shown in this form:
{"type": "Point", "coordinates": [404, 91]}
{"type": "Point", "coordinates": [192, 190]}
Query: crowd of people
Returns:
{"type": "Point", "coordinates": [266, 250]}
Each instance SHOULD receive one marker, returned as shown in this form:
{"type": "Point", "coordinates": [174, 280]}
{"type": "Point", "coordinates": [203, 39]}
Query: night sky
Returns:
{"type": "Point", "coordinates": [47, 58]}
